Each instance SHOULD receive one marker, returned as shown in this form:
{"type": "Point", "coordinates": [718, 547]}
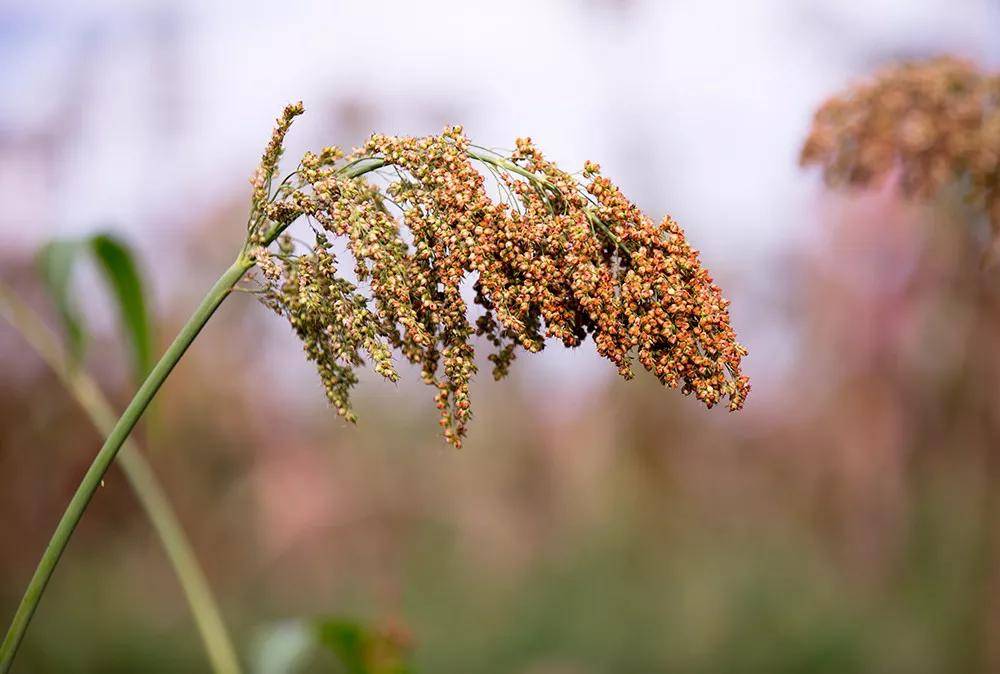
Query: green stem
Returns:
{"type": "Point", "coordinates": [355, 169]}
{"type": "Point", "coordinates": [140, 476]}
{"type": "Point", "coordinates": [104, 458]}
{"type": "Point", "coordinates": [507, 165]}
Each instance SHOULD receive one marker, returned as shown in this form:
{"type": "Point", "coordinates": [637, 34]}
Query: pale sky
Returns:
{"type": "Point", "coordinates": [696, 108]}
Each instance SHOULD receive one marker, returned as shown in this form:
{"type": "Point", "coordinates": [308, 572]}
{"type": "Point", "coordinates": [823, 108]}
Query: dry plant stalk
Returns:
{"type": "Point", "coordinates": [553, 258]}
{"type": "Point", "coordinates": [934, 122]}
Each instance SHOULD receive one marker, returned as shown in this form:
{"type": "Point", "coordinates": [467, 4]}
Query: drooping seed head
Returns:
{"type": "Point", "coordinates": [551, 258]}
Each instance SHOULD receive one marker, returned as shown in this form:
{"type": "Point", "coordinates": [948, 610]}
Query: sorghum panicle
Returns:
{"type": "Point", "coordinates": [934, 121]}
{"type": "Point", "coordinates": [552, 258]}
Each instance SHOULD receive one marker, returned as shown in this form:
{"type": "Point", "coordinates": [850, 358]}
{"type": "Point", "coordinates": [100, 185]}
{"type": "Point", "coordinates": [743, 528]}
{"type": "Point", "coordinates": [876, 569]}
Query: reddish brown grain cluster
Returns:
{"type": "Point", "coordinates": [551, 258]}
{"type": "Point", "coordinates": [934, 121]}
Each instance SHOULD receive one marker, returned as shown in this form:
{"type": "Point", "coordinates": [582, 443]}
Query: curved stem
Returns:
{"type": "Point", "coordinates": [356, 168]}
{"type": "Point", "coordinates": [106, 455]}
{"type": "Point", "coordinates": [507, 165]}
{"type": "Point", "coordinates": [141, 478]}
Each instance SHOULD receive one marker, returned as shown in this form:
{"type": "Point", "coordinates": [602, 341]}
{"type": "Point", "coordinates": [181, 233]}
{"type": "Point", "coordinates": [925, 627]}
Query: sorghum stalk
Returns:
{"type": "Point", "coordinates": [92, 480]}
{"type": "Point", "coordinates": [142, 479]}
{"type": "Point", "coordinates": [543, 270]}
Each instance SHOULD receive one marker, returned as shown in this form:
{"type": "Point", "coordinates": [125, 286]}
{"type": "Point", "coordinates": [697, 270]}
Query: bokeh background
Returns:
{"type": "Point", "coordinates": [845, 521]}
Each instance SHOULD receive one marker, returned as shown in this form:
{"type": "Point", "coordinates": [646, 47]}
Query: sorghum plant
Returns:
{"type": "Point", "coordinates": [934, 122]}
{"type": "Point", "coordinates": [557, 256]}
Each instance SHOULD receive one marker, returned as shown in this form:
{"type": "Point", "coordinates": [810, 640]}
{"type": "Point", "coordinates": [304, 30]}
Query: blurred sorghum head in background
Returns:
{"type": "Point", "coordinates": [935, 122]}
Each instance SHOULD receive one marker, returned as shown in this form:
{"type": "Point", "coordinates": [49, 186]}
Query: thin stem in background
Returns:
{"type": "Point", "coordinates": [119, 433]}
{"type": "Point", "coordinates": [141, 478]}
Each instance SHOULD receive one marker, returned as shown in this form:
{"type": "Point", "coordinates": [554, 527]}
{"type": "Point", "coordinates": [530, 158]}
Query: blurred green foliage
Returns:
{"type": "Point", "coordinates": [116, 261]}
{"type": "Point", "coordinates": [362, 649]}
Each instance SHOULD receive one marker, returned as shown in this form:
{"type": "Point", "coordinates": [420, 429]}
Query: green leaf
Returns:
{"type": "Point", "coordinates": [362, 650]}
{"type": "Point", "coordinates": [347, 641]}
{"type": "Point", "coordinates": [117, 262]}
{"type": "Point", "coordinates": [55, 264]}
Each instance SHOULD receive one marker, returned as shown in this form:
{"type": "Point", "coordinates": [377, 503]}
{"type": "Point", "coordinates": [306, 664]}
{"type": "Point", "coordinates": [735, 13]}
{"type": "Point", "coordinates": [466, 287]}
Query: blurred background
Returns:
{"type": "Point", "coordinates": [845, 521]}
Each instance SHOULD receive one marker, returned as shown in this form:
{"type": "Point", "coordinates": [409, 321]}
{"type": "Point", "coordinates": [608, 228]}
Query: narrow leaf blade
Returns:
{"type": "Point", "coordinates": [119, 267]}
{"type": "Point", "coordinates": [361, 649]}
